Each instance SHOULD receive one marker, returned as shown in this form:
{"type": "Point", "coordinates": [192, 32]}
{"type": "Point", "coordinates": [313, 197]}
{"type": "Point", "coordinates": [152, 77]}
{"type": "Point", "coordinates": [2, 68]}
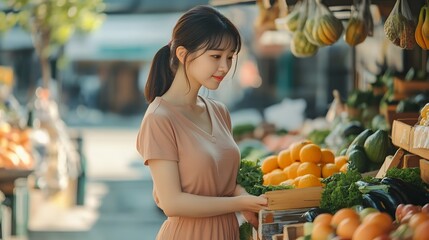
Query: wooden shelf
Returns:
{"type": "Point", "coordinates": [385, 6]}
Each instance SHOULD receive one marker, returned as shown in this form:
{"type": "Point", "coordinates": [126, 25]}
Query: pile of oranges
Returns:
{"type": "Point", "coordinates": [346, 223]}
{"type": "Point", "coordinates": [301, 165]}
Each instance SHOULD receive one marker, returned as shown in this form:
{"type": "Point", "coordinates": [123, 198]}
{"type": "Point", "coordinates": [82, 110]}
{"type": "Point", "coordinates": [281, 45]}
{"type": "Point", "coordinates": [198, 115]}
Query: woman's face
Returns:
{"type": "Point", "coordinates": [209, 67]}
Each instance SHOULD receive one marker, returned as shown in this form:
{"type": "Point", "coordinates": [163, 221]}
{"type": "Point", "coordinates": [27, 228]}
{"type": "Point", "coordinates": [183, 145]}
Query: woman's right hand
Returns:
{"type": "Point", "coordinates": [253, 203]}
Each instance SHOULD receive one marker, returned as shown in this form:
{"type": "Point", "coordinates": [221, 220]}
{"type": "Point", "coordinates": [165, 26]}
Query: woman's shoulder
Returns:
{"type": "Point", "coordinates": [157, 109]}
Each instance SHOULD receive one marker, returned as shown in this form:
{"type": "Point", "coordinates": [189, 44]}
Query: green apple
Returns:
{"type": "Point", "coordinates": [366, 211]}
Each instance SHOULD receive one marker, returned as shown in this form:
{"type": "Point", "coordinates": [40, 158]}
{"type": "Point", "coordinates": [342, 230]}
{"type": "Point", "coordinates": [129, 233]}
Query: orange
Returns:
{"type": "Point", "coordinates": [367, 231]}
{"type": "Point", "coordinates": [328, 156]}
{"type": "Point", "coordinates": [382, 219]}
{"type": "Point", "coordinates": [309, 180]}
{"type": "Point", "coordinates": [296, 181]}
{"type": "Point", "coordinates": [347, 227]}
{"type": "Point", "coordinates": [288, 182]}
{"type": "Point", "coordinates": [324, 218]}
{"type": "Point", "coordinates": [295, 149]}
{"type": "Point", "coordinates": [329, 169]}
{"type": "Point", "coordinates": [344, 213]}
{"type": "Point", "coordinates": [343, 168]}
{"type": "Point", "coordinates": [322, 232]}
{"type": "Point", "coordinates": [293, 168]}
{"type": "Point", "coordinates": [422, 231]}
{"type": "Point", "coordinates": [309, 168]}
{"type": "Point", "coordinates": [310, 153]}
{"type": "Point", "coordinates": [269, 163]}
{"type": "Point", "coordinates": [417, 219]}
{"type": "Point", "coordinates": [275, 178]}
{"type": "Point", "coordinates": [284, 158]}
{"type": "Point", "coordinates": [340, 161]}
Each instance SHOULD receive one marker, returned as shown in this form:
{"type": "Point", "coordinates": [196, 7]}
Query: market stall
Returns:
{"type": "Point", "coordinates": [369, 154]}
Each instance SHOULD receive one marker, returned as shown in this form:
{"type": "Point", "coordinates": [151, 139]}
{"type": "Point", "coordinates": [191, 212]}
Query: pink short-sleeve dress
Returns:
{"type": "Point", "coordinates": [208, 164]}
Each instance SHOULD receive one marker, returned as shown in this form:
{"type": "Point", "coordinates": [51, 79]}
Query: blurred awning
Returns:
{"type": "Point", "coordinates": [128, 37]}
{"type": "Point", "coordinates": [14, 39]}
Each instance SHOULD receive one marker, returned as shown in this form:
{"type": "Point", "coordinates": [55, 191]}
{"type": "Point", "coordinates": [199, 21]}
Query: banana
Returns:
{"type": "Point", "coordinates": [418, 34]}
{"type": "Point", "coordinates": [329, 33]}
{"type": "Point", "coordinates": [335, 25]}
{"type": "Point", "coordinates": [323, 38]}
{"type": "Point", "coordinates": [308, 29]}
{"type": "Point", "coordinates": [425, 26]}
{"type": "Point", "coordinates": [316, 36]}
{"type": "Point", "coordinates": [356, 31]}
{"type": "Point", "coordinates": [301, 47]}
{"type": "Point", "coordinates": [292, 21]}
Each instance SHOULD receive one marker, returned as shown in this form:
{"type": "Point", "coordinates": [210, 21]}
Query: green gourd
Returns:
{"type": "Point", "coordinates": [376, 146]}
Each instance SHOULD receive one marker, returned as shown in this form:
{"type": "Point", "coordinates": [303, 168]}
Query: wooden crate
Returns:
{"type": "Point", "coordinates": [402, 159]}
{"type": "Point", "coordinates": [391, 115]}
{"type": "Point", "coordinates": [294, 198]}
{"type": "Point", "coordinates": [404, 132]}
{"type": "Point", "coordinates": [408, 88]}
{"type": "Point", "coordinates": [293, 231]}
{"type": "Point", "coordinates": [271, 222]}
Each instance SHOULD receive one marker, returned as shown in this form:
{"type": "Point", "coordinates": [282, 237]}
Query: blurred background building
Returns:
{"type": "Point", "coordinates": [103, 73]}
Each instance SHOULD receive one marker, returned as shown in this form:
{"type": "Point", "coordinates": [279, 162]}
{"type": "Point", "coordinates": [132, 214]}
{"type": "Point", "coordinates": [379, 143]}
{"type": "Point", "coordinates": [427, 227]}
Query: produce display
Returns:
{"type": "Point", "coordinates": [410, 222]}
{"type": "Point", "coordinates": [301, 165]}
{"type": "Point", "coordinates": [345, 173]}
{"type": "Point", "coordinates": [15, 148]}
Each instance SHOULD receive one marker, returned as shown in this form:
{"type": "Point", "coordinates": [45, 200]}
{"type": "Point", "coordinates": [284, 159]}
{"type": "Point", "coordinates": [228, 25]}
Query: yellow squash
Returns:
{"type": "Point", "coordinates": [356, 31]}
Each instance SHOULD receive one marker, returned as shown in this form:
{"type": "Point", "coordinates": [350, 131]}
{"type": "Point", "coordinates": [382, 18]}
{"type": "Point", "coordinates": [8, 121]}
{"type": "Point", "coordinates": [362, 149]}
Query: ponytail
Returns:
{"type": "Point", "coordinates": [160, 75]}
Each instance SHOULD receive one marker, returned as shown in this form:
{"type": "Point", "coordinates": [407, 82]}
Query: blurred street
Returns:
{"type": "Point", "coordinates": [119, 202]}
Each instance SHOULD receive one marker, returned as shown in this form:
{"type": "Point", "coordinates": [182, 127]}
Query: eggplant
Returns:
{"type": "Point", "coordinates": [311, 214]}
{"type": "Point", "coordinates": [396, 189]}
{"type": "Point", "coordinates": [415, 195]}
{"type": "Point", "coordinates": [373, 202]}
{"type": "Point", "coordinates": [353, 128]}
{"type": "Point", "coordinates": [389, 201]}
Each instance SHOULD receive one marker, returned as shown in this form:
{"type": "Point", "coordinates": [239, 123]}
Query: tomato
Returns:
{"type": "Point", "coordinates": [425, 208]}
{"type": "Point", "coordinates": [398, 212]}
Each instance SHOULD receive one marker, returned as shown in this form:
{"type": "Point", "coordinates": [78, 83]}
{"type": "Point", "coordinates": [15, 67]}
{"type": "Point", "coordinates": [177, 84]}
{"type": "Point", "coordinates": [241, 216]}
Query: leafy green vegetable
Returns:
{"type": "Point", "coordinates": [246, 231]}
{"type": "Point", "coordinates": [242, 129]}
{"type": "Point", "coordinates": [250, 178]}
{"type": "Point", "coordinates": [340, 191]}
{"type": "Point", "coordinates": [318, 136]}
{"type": "Point", "coordinates": [409, 175]}
{"type": "Point", "coordinates": [369, 188]}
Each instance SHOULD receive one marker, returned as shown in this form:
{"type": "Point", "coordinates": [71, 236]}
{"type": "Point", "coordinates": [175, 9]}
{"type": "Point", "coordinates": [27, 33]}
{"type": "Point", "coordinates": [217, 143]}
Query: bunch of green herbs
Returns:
{"type": "Point", "coordinates": [340, 191]}
{"type": "Point", "coordinates": [250, 177]}
{"type": "Point", "coordinates": [409, 175]}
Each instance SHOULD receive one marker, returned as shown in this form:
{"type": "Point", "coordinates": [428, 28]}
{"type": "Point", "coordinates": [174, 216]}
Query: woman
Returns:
{"type": "Point", "coordinates": [186, 139]}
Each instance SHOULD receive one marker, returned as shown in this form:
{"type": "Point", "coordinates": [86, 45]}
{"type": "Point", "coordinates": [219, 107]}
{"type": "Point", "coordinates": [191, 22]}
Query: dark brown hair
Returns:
{"type": "Point", "coordinates": [202, 27]}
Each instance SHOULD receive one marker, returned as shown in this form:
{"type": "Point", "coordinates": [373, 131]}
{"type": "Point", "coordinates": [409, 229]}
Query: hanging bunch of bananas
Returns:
{"type": "Point", "coordinates": [300, 45]}
{"type": "Point", "coordinates": [291, 21]}
{"type": "Point", "coordinates": [310, 22]}
{"type": "Point", "coordinates": [358, 27]}
{"type": "Point", "coordinates": [356, 31]}
{"type": "Point", "coordinates": [323, 28]}
{"type": "Point", "coordinates": [422, 30]}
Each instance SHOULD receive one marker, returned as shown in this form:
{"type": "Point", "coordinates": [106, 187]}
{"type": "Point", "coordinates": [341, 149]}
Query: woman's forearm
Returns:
{"type": "Point", "coordinates": [190, 205]}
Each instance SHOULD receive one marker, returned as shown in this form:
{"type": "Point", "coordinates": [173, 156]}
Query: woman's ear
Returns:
{"type": "Point", "coordinates": [181, 53]}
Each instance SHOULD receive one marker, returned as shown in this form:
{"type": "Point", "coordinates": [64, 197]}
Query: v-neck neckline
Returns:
{"type": "Point", "coordinates": [208, 110]}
